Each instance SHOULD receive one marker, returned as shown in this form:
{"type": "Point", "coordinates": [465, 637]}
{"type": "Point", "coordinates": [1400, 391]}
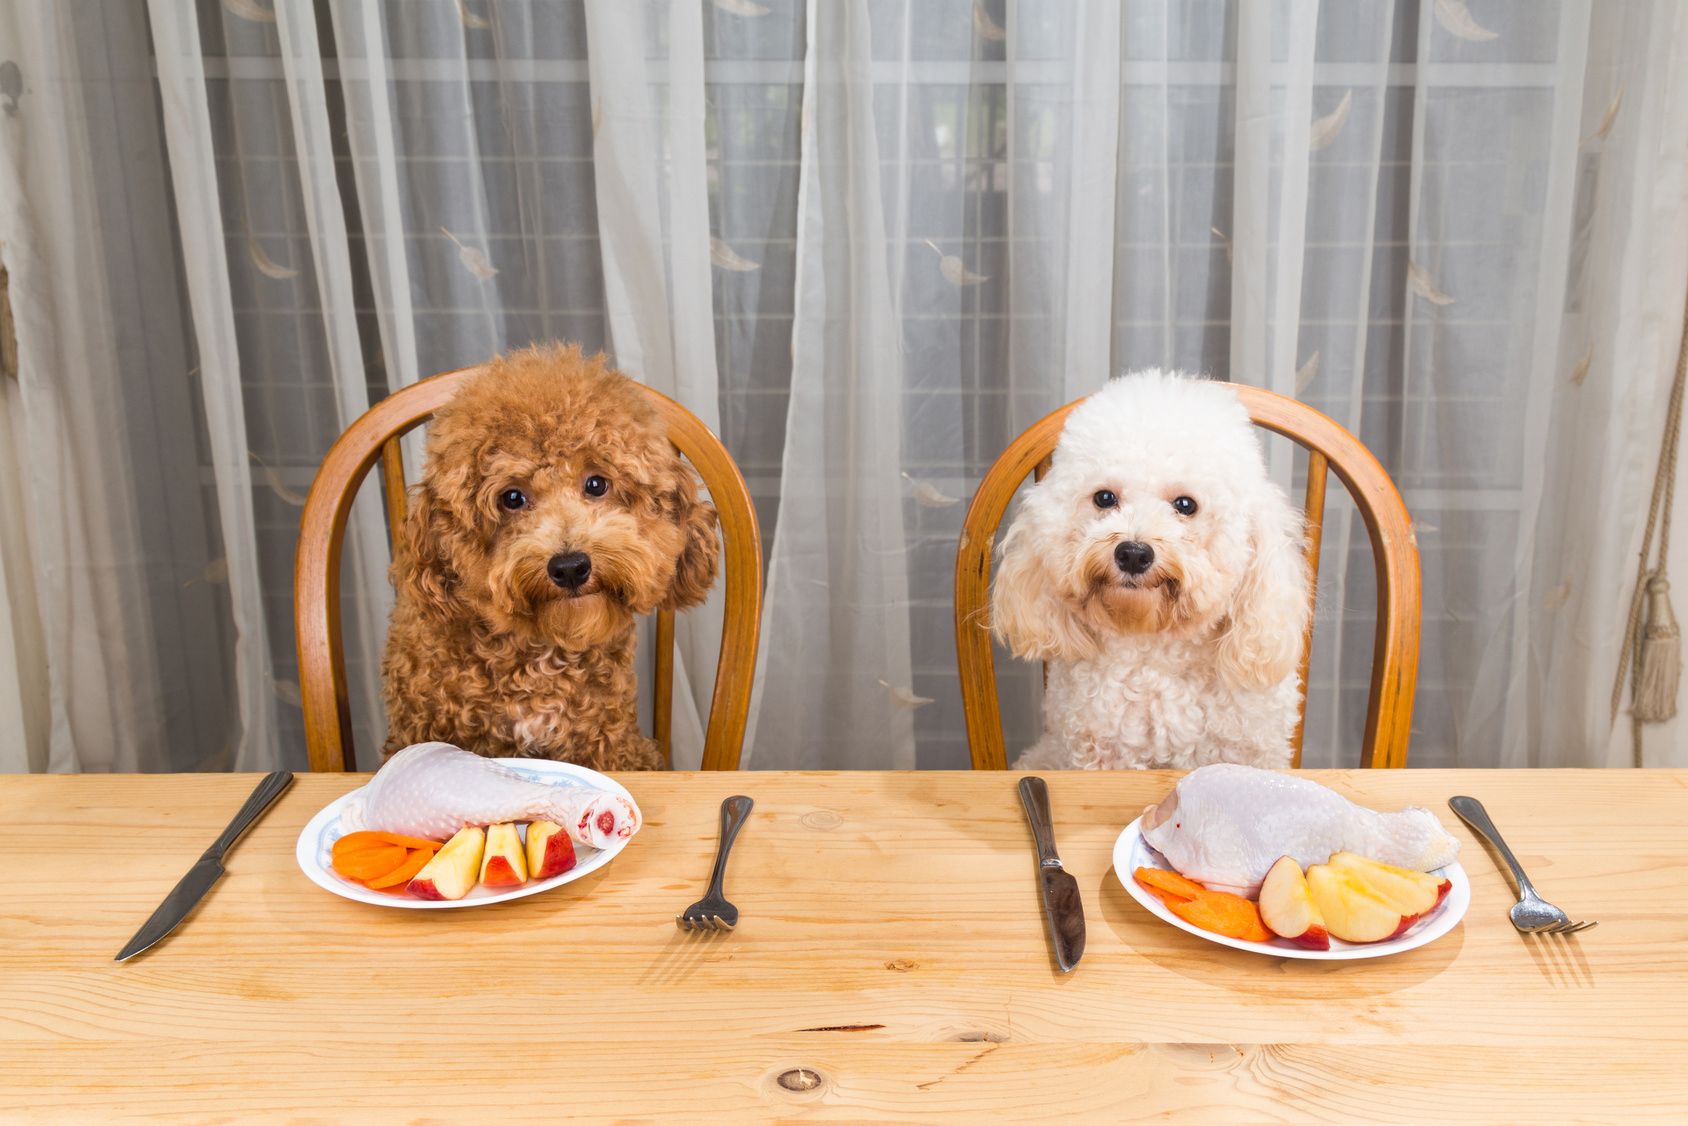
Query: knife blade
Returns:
{"type": "Point", "coordinates": [1062, 906]}
{"type": "Point", "coordinates": [207, 870]}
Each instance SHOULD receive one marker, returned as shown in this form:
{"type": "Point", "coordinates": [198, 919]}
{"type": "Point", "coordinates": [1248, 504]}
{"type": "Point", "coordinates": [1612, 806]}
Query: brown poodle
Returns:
{"type": "Point", "coordinates": [552, 512]}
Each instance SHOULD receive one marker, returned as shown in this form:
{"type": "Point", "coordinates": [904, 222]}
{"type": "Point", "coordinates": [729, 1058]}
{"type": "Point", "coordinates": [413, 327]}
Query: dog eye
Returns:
{"type": "Point", "coordinates": [1184, 506]}
{"type": "Point", "coordinates": [512, 499]}
{"type": "Point", "coordinates": [1105, 498]}
{"type": "Point", "coordinates": [596, 486]}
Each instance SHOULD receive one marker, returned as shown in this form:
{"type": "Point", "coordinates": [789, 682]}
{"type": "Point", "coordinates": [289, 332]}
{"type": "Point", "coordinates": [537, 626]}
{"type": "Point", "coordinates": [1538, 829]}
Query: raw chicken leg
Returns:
{"type": "Point", "coordinates": [1224, 825]}
{"type": "Point", "coordinates": [434, 789]}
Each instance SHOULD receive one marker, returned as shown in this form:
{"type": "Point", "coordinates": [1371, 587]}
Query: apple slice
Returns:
{"type": "Point", "coordinates": [503, 866]}
{"type": "Point", "coordinates": [549, 850]}
{"type": "Point", "coordinates": [1352, 911]}
{"type": "Point", "coordinates": [1416, 892]}
{"type": "Point", "coordinates": [452, 871]}
{"type": "Point", "coordinates": [1287, 907]}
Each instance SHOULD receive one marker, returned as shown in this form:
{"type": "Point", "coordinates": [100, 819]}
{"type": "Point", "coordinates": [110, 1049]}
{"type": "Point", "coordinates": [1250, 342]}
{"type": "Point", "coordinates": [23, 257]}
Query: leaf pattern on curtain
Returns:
{"type": "Point", "coordinates": [1609, 120]}
{"type": "Point", "coordinates": [268, 266]}
{"type": "Point", "coordinates": [472, 257]}
{"type": "Point", "coordinates": [250, 10]}
{"type": "Point", "coordinates": [1457, 20]}
{"type": "Point", "coordinates": [955, 271]}
{"type": "Point", "coordinates": [1425, 286]}
{"type": "Point", "coordinates": [469, 18]}
{"type": "Point", "coordinates": [727, 258]}
{"type": "Point", "coordinates": [1326, 128]}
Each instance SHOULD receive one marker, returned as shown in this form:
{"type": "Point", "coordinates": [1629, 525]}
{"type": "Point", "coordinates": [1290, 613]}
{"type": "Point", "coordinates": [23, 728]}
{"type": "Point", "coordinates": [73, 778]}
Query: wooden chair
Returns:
{"type": "Point", "coordinates": [316, 571]}
{"type": "Point", "coordinates": [1394, 656]}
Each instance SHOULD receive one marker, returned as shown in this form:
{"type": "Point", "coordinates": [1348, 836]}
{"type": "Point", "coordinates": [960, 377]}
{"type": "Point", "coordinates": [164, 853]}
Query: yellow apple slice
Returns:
{"type": "Point", "coordinates": [452, 871]}
{"type": "Point", "coordinates": [549, 850]}
{"type": "Point", "coordinates": [1416, 893]}
{"type": "Point", "coordinates": [503, 866]}
{"type": "Point", "coordinates": [1287, 907]}
{"type": "Point", "coordinates": [1352, 911]}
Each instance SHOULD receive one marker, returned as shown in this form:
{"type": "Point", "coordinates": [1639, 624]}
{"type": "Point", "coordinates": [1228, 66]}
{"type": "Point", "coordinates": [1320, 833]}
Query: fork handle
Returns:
{"type": "Point", "coordinates": [1471, 811]}
{"type": "Point", "coordinates": [735, 811]}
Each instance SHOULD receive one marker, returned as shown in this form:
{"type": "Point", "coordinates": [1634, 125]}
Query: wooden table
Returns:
{"type": "Point", "coordinates": [891, 962]}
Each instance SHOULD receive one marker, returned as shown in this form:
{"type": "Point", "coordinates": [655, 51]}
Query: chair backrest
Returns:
{"type": "Point", "coordinates": [1330, 447]}
{"type": "Point", "coordinates": [316, 571]}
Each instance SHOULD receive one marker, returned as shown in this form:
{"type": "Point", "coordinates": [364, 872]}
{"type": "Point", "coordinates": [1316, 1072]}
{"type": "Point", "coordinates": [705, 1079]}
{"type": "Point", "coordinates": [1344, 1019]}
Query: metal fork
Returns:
{"type": "Point", "coordinates": [1531, 914]}
{"type": "Point", "coordinates": [713, 912]}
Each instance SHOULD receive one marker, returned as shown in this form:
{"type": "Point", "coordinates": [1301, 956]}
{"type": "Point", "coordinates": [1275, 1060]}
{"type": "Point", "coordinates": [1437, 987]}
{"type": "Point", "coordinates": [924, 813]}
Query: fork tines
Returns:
{"type": "Point", "coordinates": [702, 923]}
{"type": "Point", "coordinates": [1569, 927]}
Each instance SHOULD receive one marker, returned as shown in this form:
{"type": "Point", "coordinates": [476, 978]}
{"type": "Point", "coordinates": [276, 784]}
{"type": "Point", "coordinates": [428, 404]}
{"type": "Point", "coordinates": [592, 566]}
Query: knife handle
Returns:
{"type": "Point", "coordinates": [268, 791]}
{"type": "Point", "coordinates": [1034, 795]}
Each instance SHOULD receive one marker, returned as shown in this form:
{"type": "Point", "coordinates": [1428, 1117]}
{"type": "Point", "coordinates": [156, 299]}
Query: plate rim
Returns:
{"type": "Point", "coordinates": [309, 857]}
{"type": "Point", "coordinates": [1443, 918]}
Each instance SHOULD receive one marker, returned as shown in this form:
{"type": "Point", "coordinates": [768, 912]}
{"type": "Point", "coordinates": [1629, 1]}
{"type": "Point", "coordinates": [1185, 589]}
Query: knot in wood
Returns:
{"type": "Point", "coordinates": [822, 819]}
{"type": "Point", "coordinates": [799, 1079]}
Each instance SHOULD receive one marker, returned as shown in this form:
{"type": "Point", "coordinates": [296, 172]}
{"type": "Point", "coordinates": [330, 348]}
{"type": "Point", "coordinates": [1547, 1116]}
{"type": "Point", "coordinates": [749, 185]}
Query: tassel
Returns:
{"type": "Point", "coordinates": [1658, 670]}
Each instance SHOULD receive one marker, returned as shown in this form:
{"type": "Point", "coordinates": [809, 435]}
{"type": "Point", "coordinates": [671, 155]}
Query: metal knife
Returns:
{"type": "Point", "coordinates": [209, 869]}
{"type": "Point", "coordinates": [1061, 903]}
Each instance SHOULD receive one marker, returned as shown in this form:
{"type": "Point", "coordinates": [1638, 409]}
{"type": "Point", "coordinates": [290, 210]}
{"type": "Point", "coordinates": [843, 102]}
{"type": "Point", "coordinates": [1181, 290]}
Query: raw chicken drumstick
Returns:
{"type": "Point", "coordinates": [1224, 825]}
{"type": "Point", "coordinates": [434, 789]}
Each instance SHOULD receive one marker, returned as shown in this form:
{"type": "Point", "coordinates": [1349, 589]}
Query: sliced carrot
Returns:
{"type": "Point", "coordinates": [396, 890]}
{"type": "Point", "coordinates": [410, 842]}
{"type": "Point", "coordinates": [354, 843]}
{"type": "Point", "coordinates": [370, 838]}
{"type": "Point", "coordinates": [413, 864]}
{"type": "Point", "coordinates": [1222, 913]}
{"type": "Point", "coordinates": [1168, 885]}
{"type": "Point", "coordinates": [370, 864]}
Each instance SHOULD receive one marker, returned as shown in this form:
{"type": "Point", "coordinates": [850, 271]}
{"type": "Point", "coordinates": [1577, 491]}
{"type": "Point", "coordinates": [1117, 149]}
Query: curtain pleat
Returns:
{"type": "Point", "coordinates": [648, 162]}
{"type": "Point", "coordinates": [103, 708]}
{"type": "Point", "coordinates": [187, 126]}
{"type": "Point", "coordinates": [836, 630]}
{"type": "Point", "coordinates": [1621, 311]}
{"type": "Point", "coordinates": [366, 85]}
{"type": "Point", "coordinates": [1510, 729]}
{"type": "Point", "coordinates": [366, 596]}
{"type": "Point", "coordinates": [1087, 246]}
{"type": "Point", "coordinates": [1332, 370]}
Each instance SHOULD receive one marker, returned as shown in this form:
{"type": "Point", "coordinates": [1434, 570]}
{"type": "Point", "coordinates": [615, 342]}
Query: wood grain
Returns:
{"type": "Point", "coordinates": [890, 947]}
{"type": "Point", "coordinates": [1318, 476]}
{"type": "Point", "coordinates": [393, 489]}
{"type": "Point", "coordinates": [1394, 549]}
{"type": "Point", "coordinates": [322, 528]}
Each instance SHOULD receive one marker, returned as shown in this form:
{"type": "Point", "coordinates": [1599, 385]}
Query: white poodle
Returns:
{"type": "Point", "coordinates": [1162, 574]}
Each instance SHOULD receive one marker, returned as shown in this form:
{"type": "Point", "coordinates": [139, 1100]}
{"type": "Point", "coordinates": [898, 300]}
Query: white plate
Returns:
{"type": "Point", "coordinates": [323, 830]}
{"type": "Point", "coordinates": [1132, 852]}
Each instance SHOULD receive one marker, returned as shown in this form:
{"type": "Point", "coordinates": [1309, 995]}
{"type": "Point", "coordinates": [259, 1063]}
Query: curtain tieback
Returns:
{"type": "Point", "coordinates": [1656, 647]}
{"type": "Point", "coordinates": [1658, 669]}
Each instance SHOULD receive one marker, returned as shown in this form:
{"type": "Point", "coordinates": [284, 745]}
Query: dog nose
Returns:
{"type": "Point", "coordinates": [569, 569]}
{"type": "Point", "coordinates": [1133, 557]}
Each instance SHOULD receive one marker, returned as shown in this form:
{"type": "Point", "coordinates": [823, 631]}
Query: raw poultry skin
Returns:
{"type": "Point", "coordinates": [1224, 825]}
{"type": "Point", "coordinates": [434, 789]}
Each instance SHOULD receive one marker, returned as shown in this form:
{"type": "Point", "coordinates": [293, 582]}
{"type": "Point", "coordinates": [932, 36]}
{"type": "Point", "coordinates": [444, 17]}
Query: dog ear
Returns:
{"type": "Point", "coordinates": [1028, 612]}
{"type": "Point", "coordinates": [1269, 611]}
{"type": "Point", "coordinates": [422, 567]}
{"type": "Point", "coordinates": [694, 570]}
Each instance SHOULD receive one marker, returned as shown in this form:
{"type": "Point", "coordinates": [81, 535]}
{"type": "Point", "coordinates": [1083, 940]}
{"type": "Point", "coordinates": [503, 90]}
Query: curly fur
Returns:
{"type": "Point", "coordinates": [1195, 660]}
{"type": "Point", "coordinates": [484, 650]}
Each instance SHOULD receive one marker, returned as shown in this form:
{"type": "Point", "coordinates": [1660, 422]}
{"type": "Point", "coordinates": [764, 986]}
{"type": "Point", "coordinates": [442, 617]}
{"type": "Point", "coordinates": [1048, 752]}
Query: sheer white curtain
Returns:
{"type": "Point", "coordinates": [101, 659]}
{"type": "Point", "coordinates": [868, 241]}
